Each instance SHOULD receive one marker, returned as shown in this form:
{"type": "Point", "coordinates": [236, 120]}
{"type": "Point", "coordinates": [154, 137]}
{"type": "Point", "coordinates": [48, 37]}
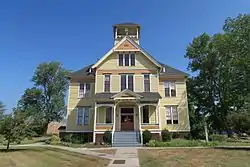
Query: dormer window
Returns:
{"type": "Point", "coordinates": [127, 59]}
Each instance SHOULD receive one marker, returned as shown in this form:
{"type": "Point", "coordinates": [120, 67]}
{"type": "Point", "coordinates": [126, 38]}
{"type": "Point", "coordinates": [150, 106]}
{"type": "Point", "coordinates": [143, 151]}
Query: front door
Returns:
{"type": "Point", "coordinates": [127, 119]}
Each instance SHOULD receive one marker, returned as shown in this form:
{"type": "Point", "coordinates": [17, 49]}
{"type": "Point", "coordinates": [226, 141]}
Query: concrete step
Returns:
{"type": "Point", "coordinates": [125, 145]}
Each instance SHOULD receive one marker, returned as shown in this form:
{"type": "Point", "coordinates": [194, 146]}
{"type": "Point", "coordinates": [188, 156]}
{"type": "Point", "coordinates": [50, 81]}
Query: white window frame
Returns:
{"type": "Point", "coordinates": [83, 110]}
{"type": "Point", "coordinates": [171, 114]}
{"type": "Point", "coordinates": [126, 76]}
{"type": "Point", "coordinates": [84, 91]}
{"type": "Point", "coordinates": [169, 84]}
{"type": "Point", "coordinates": [123, 59]}
{"type": "Point", "coordinates": [149, 75]}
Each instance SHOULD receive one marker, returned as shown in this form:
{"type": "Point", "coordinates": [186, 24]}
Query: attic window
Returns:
{"type": "Point", "coordinates": [164, 69]}
{"type": "Point", "coordinates": [126, 59]}
{"type": "Point", "coordinates": [90, 70]}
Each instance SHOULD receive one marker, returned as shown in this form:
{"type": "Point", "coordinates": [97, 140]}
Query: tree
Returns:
{"type": "Point", "coordinates": [2, 109]}
{"type": "Point", "coordinates": [14, 127]}
{"type": "Point", "coordinates": [221, 63]}
{"type": "Point", "coordinates": [51, 81]}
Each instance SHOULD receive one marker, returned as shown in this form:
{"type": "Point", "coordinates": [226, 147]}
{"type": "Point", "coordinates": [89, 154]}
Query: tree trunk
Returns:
{"type": "Point", "coordinates": [8, 145]}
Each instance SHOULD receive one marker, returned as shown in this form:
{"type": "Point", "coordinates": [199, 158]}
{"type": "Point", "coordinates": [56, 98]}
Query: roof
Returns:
{"type": "Point", "coordinates": [83, 72]}
{"type": "Point", "coordinates": [126, 24]}
{"type": "Point", "coordinates": [146, 96]}
{"type": "Point", "coordinates": [170, 71]}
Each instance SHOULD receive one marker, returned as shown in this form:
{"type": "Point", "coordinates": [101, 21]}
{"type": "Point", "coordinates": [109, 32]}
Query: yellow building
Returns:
{"type": "Point", "coordinates": [126, 92]}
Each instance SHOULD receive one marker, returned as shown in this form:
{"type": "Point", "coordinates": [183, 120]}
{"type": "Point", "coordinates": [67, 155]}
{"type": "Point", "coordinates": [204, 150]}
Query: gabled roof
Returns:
{"type": "Point", "coordinates": [126, 24]}
{"type": "Point", "coordinates": [170, 71]}
{"type": "Point", "coordinates": [132, 42]}
{"type": "Point", "coordinates": [85, 71]}
{"type": "Point", "coordinates": [126, 92]}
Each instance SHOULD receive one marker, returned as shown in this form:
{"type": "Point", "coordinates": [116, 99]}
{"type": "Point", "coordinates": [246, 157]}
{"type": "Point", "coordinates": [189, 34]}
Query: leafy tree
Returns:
{"type": "Point", "coordinates": [48, 98]}
{"type": "Point", "coordinates": [14, 127]}
{"type": "Point", "coordinates": [2, 109]}
{"type": "Point", "coordinates": [221, 63]}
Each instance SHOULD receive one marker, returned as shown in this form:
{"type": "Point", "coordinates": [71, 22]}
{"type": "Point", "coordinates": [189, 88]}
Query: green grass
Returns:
{"type": "Point", "coordinates": [189, 157]}
{"type": "Point", "coordinates": [48, 157]}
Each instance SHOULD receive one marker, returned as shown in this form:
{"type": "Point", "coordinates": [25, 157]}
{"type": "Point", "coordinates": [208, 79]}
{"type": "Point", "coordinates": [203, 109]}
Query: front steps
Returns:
{"type": "Point", "coordinates": [126, 139]}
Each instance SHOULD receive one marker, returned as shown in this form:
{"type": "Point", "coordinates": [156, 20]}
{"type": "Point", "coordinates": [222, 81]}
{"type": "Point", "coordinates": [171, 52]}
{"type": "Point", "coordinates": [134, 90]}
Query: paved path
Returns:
{"type": "Point", "coordinates": [124, 157]}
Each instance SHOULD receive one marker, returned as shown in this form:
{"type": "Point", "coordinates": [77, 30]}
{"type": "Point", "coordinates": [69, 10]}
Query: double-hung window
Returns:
{"type": "Point", "coordinates": [82, 117]}
{"type": "Point", "coordinates": [84, 90]}
{"type": "Point", "coordinates": [108, 114]}
{"type": "Point", "coordinates": [127, 82]}
{"type": "Point", "coordinates": [146, 83]}
{"type": "Point", "coordinates": [127, 59]}
{"type": "Point", "coordinates": [172, 115]}
{"type": "Point", "coordinates": [106, 83]}
{"type": "Point", "coordinates": [170, 89]}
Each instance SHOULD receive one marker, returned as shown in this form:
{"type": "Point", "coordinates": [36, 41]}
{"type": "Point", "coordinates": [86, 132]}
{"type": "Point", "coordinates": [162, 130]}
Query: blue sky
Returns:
{"type": "Point", "coordinates": [77, 33]}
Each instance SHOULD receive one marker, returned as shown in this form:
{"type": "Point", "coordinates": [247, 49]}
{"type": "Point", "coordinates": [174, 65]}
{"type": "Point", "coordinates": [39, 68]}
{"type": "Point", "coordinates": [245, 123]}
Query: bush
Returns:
{"type": "Point", "coordinates": [77, 138]}
{"type": "Point", "coordinates": [218, 137]}
{"type": "Point", "coordinates": [166, 135]}
{"type": "Point", "coordinates": [181, 143]}
{"type": "Point", "coordinates": [107, 137]}
{"type": "Point", "coordinates": [146, 135]}
{"type": "Point", "coordinates": [176, 135]}
{"type": "Point", "coordinates": [67, 138]}
{"type": "Point", "coordinates": [54, 140]}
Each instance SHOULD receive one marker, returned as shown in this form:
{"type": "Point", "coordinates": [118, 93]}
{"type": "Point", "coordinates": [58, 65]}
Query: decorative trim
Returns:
{"type": "Point", "coordinates": [133, 43]}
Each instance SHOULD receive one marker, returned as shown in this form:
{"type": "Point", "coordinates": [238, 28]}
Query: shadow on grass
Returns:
{"type": "Point", "coordinates": [233, 148]}
{"type": "Point", "coordinates": [13, 150]}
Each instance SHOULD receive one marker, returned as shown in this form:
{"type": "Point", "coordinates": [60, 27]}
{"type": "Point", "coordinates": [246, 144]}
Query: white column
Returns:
{"type": "Point", "coordinates": [114, 116]}
{"type": "Point", "coordinates": [139, 112]}
{"type": "Point", "coordinates": [95, 114]}
{"type": "Point", "coordinates": [156, 115]}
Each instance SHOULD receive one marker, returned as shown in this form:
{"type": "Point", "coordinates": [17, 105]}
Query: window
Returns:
{"type": "Point", "coordinates": [146, 83]}
{"type": "Point", "coordinates": [170, 89]}
{"type": "Point", "coordinates": [84, 90]}
{"type": "Point", "coordinates": [109, 115]}
{"type": "Point", "coordinates": [172, 115]}
{"type": "Point", "coordinates": [120, 59]}
{"type": "Point", "coordinates": [132, 59]}
{"type": "Point", "coordinates": [79, 119]}
{"type": "Point", "coordinates": [106, 83]}
{"type": "Point", "coordinates": [82, 116]}
{"type": "Point", "coordinates": [145, 114]}
{"type": "Point", "coordinates": [127, 59]}
{"type": "Point", "coordinates": [127, 82]}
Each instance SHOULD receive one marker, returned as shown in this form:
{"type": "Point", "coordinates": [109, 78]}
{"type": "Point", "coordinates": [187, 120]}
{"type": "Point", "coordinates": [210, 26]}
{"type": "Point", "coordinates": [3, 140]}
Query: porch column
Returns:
{"type": "Point", "coordinates": [139, 112]}
{"type": "Point", "coordinates": [156, 115]}
{"type": "Point", "coordinates": [94, 137]}
{"type": "Point", "coordinates": [114, 116]}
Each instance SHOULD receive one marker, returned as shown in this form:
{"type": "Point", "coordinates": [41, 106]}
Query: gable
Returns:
{"type": "Point", "coordinates": [126, 46]}
{"type": "Point", "coordinates": [127, 93]}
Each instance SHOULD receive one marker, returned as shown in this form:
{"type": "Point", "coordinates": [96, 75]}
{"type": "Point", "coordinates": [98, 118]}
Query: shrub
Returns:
{"type": "Point", "coordinates": [176, 135]}
{"type": "Point", "coordinates": [181, 143]}
{"type": "Point", "coordinates": [67, 138]}
{"type": "Point", "coordinates": [146, 135]}
{"type": "Point", "coordinates": [166, 135]}
{"type": "Point", "coordinates": [77, 138]}
{"type": "Point", "coordinates": [151, 143]}
{"type": "Point", "coordinates": [54, 140]}
{"type": "Point", "coordinates": [218, 137]}
{"type": "Point", "coordinates": [107, 137]}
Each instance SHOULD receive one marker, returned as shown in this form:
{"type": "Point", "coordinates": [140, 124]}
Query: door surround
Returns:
{"type": "Point", "coordinates": [120, 119]}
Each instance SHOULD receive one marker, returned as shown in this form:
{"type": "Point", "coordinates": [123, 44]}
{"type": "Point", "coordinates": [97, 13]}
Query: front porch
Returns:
{"type": "Point", "coordinates": [123, 114]}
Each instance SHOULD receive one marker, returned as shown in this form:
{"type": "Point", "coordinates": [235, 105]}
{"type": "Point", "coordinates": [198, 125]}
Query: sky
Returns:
{"type": "Point", "coordinates": [77, 33]}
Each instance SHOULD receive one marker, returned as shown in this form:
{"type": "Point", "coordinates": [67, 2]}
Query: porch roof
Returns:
{"type": "Point", "coordinates": [145, 96]}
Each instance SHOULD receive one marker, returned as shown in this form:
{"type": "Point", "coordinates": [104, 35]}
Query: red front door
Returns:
{"type": "Point", "coordinates": [127, 119]}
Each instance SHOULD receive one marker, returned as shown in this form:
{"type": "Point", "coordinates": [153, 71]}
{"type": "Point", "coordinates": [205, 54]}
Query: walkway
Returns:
{"type": "Point", "coordinates": [124, 157]}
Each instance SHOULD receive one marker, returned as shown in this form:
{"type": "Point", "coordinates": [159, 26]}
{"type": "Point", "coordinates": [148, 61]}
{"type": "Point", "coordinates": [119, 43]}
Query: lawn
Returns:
{"type": "Point", "coordinates": [193, 158]}
{"type": "Point", "coordinates": [49, 157]}
{"type": "Point", "coordinates": [106, 151]}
